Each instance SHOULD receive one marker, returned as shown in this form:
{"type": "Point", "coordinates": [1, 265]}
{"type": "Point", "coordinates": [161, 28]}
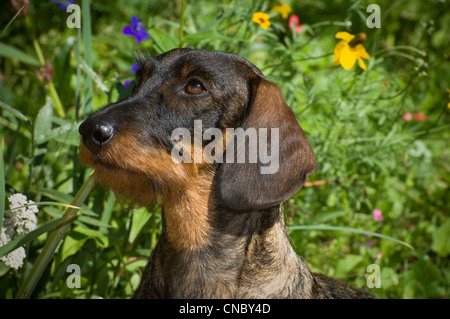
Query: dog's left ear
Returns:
{"type": "Point", "coordinates": [242, 186]}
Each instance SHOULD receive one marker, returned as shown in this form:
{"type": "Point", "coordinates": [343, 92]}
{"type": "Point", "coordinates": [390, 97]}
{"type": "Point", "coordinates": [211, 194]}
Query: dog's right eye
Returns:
{"type": "Point", "coordinates": [194, 87]}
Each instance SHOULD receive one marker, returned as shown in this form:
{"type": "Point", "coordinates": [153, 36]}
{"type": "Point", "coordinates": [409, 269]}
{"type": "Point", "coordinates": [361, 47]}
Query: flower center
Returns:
{"type": "Point", "coordinates": [358, 39]}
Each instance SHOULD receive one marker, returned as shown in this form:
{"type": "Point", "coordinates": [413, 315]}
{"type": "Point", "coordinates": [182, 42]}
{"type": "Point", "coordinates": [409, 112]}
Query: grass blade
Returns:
{"type": "Point", "coordinates": [32, 235]}
{"type": "Point", "coordinates": [11, 52]}
{"type": "Point", "coordinates": [45, 203]}
{"type": "Point", "coordinates": [86, 13]}
{"type": "Point", "coordinates": [14, 112]}
{"type": "Point", "coordinates": [348, 229]}
{"type": "Point", "coordinates": [11, 21]}
{"type": "Point", "coordinates": [53, 240]}
{"type": "Point", "coordinates": [91, 75]}
{"type": "Point", "coordinates": [2, 186]}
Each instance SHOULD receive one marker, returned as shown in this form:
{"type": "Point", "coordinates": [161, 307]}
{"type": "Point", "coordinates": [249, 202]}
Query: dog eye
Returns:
{"type": "Point", "coordinates": [194, 87]}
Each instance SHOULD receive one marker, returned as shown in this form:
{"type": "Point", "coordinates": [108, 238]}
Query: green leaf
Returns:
{"type": "Point", "coordinates": [162, 39]}
{"type": "Point", "coordinates": [441, 239]}
{"type": "Point", "coordinates": [54, 194]}
{"type": "Point", "coordinates": [91, 74]}
{"type": "Point", "coordinates": [349, 229]}
{"type": "Point", "coordinates": [67, 134]}
{"type": "Point", "coordinates": [325, 216]}
{"type": "Point", "coordinates": [25, 239]}
{"type": "Point", "coordinates": [71, 246]}
{"type": "Point", "coordinates": [14, 112]}
{"type": "Point", "coordinates": [139, 219]}
{"type": "Point", "coordinates": [63, 71]}
{"type": "Point", "coordinates": [207, 35]}
{"type": "Point", "coordinates": [87, 62]}
{"type": "Point", "coordinates": [54, 237]}
{"type": "Point", "coordinates": [43, 122]}
{"type": "Point", "coordinates": [10, 52]}
{"type": "Point", "coordinates": [107, 211]}
{"type": "Point", "coordinates": [101, 239]}
{"type": "Point", "coordinates": [2, 186]}
{"type": "Point", "coordinates": [344, 266]}
{"type": "Point", "coordinates": [56, 213]}
{"type": "Point", "coordinates": [92, 221]}
{"type": "Point", "coordinates": [123, 91]}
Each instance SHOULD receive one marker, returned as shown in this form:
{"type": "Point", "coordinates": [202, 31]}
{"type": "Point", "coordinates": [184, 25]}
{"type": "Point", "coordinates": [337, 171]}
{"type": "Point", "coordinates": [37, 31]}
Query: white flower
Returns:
{"type": "Point", "coordinates": [17, 222]}
{"type": "Point", "coordinates": [15, 258]}
{"type": "Point", "coordinates": [20, 221]}
{"type": "Point", "coordinates": [4, 239]}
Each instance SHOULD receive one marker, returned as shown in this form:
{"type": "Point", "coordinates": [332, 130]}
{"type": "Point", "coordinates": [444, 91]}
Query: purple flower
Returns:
{"type": "Point", "coordinates": [134, 68]}
{"type": "Point", "coordinates": [136, 30]}
{"type": "Point", "coordinates": [63, 4]}
{"type": "Point", "coordinates": [378, 215]}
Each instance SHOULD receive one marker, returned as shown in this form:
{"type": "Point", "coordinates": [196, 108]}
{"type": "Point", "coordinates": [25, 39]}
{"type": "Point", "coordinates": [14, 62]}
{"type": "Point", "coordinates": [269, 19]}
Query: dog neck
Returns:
{"type": "Point", "coordinates": [186, 214]}
{"type": "Point", "coordinates": [206, 247]}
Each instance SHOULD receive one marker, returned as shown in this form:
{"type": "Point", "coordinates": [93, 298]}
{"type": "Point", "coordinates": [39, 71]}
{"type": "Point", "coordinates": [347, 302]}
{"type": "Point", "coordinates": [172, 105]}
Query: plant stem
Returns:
{"type": "Point", "coordinates": [2, 185]}
{"type": "Point", "coordinates": [183, 9]}
{"type": "Point", "coordinates": [53, 240]}
{"type": "Point", "coordinates": [86, 12]}
{"type": "Point", "coordinates": [50, 85]}
{"type": "Point", "coordinates": [153, 229]}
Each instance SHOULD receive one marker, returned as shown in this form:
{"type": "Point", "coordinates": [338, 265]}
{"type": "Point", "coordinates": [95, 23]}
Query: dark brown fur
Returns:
{"type": "Point", "coordinates": [223, 230]}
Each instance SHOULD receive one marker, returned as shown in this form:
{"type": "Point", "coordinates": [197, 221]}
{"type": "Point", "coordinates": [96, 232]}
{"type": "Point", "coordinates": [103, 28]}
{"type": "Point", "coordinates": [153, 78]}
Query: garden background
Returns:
{"type": "Point", "coordinates": [381, 136]}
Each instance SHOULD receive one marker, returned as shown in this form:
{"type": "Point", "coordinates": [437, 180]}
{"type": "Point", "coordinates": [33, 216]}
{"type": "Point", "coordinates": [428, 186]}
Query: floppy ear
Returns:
{"type": "Point", "coordinates": [243, 186]}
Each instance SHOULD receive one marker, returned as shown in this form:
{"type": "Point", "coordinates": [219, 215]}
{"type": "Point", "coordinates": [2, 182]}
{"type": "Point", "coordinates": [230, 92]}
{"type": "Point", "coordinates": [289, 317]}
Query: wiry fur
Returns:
{"type": "Point", "coordinates": [223, 230]}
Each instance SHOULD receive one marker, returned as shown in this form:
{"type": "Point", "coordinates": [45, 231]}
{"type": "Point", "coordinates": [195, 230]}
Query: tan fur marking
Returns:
{"type": "Point", "coordinates": [132, 170]}
{"type": "Point", "coordinates": [186, 213]}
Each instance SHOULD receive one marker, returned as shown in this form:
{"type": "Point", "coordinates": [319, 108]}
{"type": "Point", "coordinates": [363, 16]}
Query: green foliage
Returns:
{"type": "Point", "coordinates": [369, 157]}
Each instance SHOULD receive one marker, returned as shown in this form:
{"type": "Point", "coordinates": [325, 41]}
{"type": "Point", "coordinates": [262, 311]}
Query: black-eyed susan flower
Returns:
{"type": "Point", "coordinates": [283, 9]}
{"type": "Point", "coordinates": [350, 49]}
{"type": "Point", "coordinates": [262, 19]}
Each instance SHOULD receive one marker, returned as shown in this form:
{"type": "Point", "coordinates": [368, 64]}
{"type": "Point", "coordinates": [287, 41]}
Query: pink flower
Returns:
{"type": "Point", "coordinates": [369, 243]}
{"type": "Point", "coordinates": [294, 24]}
{"type": "Point", "coordinates": [416, 116]}
{"type": "Point", "coordinates": [377, 215]}
{"type": "Point", "coordinates": [46, 72]}
{"type": "Point", "coordinates": [420, 117]}
{"type": "Point", "coordinates": [407, 117]}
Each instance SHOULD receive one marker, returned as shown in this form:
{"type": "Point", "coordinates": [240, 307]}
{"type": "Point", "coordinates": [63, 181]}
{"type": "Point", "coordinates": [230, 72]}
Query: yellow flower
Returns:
{"type": "Point", "coordinates": [282, 9]}
{"type": "Point", "coordinates": [448, 91]}
{"type": "Point", "coordinates": [262, 19]}
{"type": "Point", "coordinates": [350, 49]}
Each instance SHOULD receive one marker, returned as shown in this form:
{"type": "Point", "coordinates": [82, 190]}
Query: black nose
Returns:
{"type": "Point", "coordinates": [96, 134]}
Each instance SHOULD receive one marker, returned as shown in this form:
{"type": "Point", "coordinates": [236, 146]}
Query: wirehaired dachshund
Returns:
{"type": "Point", "coordinates": [223, 231]}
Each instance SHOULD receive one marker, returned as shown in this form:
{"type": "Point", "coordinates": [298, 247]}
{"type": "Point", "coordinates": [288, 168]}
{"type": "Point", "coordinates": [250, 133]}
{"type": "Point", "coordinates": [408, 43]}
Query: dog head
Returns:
{"type": "Point", "coordinates": [130, 143]}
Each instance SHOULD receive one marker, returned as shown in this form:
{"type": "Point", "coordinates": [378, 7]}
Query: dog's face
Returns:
{"type": "Point", "coordinates": [130, 142]}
